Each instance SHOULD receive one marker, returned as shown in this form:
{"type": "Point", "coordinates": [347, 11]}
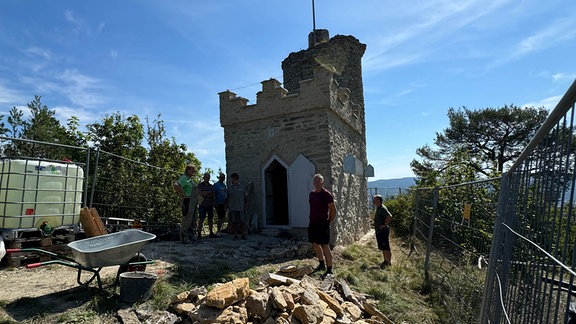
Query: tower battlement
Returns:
{"type": "Point", "coordinates": [273, 101]}
{"type": "Point", "coordinates": [313, 124]}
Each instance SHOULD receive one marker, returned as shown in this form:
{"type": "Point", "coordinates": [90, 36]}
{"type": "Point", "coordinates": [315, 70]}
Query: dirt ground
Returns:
{"type": "Point", "coordinates": [24, 291]}
{"type": "Point", "coordinates": [48, 283]}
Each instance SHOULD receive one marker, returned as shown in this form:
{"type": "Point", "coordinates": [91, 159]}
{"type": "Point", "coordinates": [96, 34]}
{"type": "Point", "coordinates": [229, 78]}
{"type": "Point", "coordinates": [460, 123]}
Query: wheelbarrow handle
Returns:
{"type": "Point", "coordinates": [55, 255]}
{"type": "Point", "coordinates": [31, 250]}
{"type": "Point", "coordinates": [39, 264]}
{"type": "Point", "coordinates": [35, 265]}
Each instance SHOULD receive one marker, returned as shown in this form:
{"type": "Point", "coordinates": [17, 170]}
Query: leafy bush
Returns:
{"type": "Point", "coordinates": [402, 210]}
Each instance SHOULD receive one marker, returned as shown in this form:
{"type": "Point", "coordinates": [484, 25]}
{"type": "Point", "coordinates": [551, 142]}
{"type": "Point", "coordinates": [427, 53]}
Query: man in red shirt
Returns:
{"type": "Point", "coordinates": [322, 214]}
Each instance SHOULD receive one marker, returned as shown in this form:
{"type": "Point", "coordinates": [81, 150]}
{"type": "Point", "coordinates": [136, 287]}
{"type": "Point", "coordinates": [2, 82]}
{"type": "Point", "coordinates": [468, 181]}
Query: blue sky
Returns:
{"type": "Point", "coordinates": [150, 57]}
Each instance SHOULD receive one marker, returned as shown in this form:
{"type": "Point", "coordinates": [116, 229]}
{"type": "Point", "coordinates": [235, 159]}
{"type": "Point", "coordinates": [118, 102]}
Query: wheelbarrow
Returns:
{"type": "Point", "coordinates": [94, 253]}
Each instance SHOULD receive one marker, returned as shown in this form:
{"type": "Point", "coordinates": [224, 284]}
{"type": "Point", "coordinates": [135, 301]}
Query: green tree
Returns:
{"type": "Point", "coordinates": [42, 126]}
{"type": "Point", "coordinates": [119, 134]}
{"type": "Point", "coordinates": [16, 122]}
{"type": "Point", "coordinates": [167, 156]}
{"type": "Point", "coordinates": [164, 152]}
{"type": "Point", "coordinates": [491, 137]}
{"type": "Point", "coordinates": [462, 188]}
{"type": "Point", "coordinates": [119, 183]}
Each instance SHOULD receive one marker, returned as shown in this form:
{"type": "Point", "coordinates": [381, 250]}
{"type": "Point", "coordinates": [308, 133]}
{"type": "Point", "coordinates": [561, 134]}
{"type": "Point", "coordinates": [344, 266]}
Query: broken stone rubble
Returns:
{"type": "Point", "coordinates": [280, 298]}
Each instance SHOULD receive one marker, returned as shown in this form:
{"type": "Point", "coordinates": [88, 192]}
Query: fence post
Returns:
{"type": "Point", "coordinates": [430, 234]}
{"type": "Point", "coordinates": [415, 218]}
{"type": "Point", "coordinates": [94, 177]}
{"type": "Point", "coordinates": [495, 256]}
{"type": "Point", "coordinates": [86, 177]}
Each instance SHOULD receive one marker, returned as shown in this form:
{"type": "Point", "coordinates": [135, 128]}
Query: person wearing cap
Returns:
{"type": "Point", "coordinates": [382, 219]}
{"type": "Point", "coordinates": [220, 201]}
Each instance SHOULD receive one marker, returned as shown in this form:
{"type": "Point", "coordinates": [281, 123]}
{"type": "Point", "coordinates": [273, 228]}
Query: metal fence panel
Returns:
{"type": "Point", "coordinates": [532, 257]}
{"type": "Point", "coordinates": [121, 189]}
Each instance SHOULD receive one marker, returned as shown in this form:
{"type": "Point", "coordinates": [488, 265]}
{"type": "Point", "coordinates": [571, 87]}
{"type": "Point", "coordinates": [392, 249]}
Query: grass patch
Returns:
{"type": "Point", "coordinates": [218, 271]}
{"type": "Point", "coordinates": [397, 289]}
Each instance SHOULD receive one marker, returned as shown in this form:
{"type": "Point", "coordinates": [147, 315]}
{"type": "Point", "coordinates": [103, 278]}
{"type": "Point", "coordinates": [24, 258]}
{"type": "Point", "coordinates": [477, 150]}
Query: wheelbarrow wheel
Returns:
{"type": "Point", "coordinates": [138, 257]}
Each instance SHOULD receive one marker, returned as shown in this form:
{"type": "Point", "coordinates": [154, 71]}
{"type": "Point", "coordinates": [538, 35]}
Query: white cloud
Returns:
{"type": "Point", "coordinates": [421, 30]}
{"type": "Point", "coordinates": [558, 31]}
{"type": "Point", "coordinates": [78, 25]}
{"type": "Point", "coordinates": [63, 113]}
{"type": "Point", "coordinates": [100, 27]}
{"type": "Point", "coordinates": [549, 103]}
{"type": "Point", "coordinates": [36, 51]}
{"type": "Point", "coordinates": [80, 89]}
{"type": "Point", "coordinates": [563, 76]}
{"type": "Point", "coordinates": [11, 96]}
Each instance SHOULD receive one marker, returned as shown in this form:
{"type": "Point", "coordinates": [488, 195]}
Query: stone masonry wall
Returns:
{"type": "Point", "coordinates": [322, 120]}
{"type": "Point", "coordinates": [350, 190]}
{"type": "Point", "coordinates": [343, 53]}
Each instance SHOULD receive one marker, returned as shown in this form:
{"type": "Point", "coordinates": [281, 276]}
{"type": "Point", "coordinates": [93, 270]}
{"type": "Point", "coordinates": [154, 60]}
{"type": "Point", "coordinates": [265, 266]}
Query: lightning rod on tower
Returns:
{"type": "Point", "coordinates": [313, 17]}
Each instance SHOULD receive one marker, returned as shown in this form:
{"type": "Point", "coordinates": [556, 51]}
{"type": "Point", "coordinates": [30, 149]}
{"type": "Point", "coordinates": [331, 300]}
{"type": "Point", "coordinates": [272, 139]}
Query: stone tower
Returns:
{"type": "Point", "coordinates": [314, 124]}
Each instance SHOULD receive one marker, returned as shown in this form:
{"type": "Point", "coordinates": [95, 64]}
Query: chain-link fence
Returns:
{"type": "Point", "coordinates": [455, 224]}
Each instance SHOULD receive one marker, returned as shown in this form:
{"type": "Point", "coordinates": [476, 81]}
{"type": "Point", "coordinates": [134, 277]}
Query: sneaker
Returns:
{"type": "Point", "coordinates": [326, 275]}
{"type": "Point", "coordinates": [384, 264]}
{"type": "Point", "coordinates": [320, 267]}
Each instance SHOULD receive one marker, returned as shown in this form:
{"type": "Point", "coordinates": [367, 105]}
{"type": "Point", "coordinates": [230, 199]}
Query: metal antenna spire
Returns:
{"type": "Point", "coordinates": [313, 17]}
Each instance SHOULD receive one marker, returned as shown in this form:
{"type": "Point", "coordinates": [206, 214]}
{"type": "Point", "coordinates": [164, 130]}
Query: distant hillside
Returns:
{"type": "Point", "coordinates": [390, 187]}
{"type": "Point", "coordinates": [403, 183]}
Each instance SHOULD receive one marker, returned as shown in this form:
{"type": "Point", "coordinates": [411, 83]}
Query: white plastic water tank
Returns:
{"type": "Point", "coordinates": [35, 191]}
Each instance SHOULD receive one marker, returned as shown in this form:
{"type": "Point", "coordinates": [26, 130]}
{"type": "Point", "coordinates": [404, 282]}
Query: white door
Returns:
{"type": "Point", "coordinates": [301, 174]}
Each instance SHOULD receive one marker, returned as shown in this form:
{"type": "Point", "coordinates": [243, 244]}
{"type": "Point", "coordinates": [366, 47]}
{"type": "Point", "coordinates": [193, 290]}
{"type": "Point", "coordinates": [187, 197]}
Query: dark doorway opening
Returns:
{"type": "Point", "coordinates": [276, 182]}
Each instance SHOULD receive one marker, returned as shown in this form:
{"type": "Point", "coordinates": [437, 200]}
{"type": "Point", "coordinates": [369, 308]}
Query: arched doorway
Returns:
{"type": "Point", "coordinates": [276, 193]}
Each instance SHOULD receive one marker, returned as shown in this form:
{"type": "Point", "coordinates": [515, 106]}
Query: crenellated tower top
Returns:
{"type": "Point", "coordinates": [343, 53]}
{"type": "Point", "coordinates": [314, 123]}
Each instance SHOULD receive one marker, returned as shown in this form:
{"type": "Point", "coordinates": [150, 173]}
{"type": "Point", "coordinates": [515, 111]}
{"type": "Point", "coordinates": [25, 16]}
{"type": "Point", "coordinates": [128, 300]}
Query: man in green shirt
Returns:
{"type": "Point", "coordinates": [186, 188]}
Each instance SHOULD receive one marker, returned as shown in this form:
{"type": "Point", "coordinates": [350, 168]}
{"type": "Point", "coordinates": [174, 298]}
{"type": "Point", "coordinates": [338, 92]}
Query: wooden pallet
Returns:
{"type": "Point", "coordinates": [31, 242]}
{"type": "Point", "coordinates": [51, 244]}
{"type": "Point", "coordinates": [63, 238]}
{"type": "Point", "coordinates": [21, 259]}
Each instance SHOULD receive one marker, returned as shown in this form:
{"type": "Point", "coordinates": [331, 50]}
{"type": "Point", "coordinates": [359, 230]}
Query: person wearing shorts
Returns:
{"type": "Point", "coordinates": [322, 214]}
{"type": "Point", "coordinates": [382, 218]}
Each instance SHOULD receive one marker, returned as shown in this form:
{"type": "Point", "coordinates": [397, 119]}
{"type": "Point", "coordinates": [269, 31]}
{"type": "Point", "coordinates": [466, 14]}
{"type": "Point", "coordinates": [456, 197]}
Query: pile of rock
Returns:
{"type": "Point", "coordinates": [281, 298]}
